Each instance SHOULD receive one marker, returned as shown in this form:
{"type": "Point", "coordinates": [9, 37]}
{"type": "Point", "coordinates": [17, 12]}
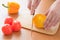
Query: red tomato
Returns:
{"type": "Point", "coordinates": [16, 26]}
{"type": "Point", "coordinates": [8, 20]}
{"type": "Point", "coordinates": [6, 29]}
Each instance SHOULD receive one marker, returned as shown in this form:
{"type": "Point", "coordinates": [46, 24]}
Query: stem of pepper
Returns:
{"type": "Point", "coordinates": [4, 6]}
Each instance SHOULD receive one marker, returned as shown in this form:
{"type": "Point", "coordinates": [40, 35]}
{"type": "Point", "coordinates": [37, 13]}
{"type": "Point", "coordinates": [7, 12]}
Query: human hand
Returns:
{"type": "Point", "coordinates": [32, 5]}
{"type": "Point", "coordinates": [53, 16]}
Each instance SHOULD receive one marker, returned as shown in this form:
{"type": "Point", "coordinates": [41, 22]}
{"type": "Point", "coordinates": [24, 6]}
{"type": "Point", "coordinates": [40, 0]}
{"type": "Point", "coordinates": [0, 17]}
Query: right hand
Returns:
{"type": "Point", "coordinates": [32, 5]}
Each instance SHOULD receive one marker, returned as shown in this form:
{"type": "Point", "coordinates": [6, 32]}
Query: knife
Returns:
{"type": "Point", "coordinates": [32, 23]}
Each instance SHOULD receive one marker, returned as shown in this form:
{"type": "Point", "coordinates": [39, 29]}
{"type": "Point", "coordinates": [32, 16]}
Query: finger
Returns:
{"type": "Point", "coordinates": [47, 22]}
{"type": "Point", "coordinates": [32, 12]}
{"type": "Point", "coordinates": [51, 22]}
{"type": "Point", "coordinates": [29, 4]}
{"type": "Point", "coordinates": [49, 17]}
{"type": "Point", "coordinates": [35, 3]}
{"type": "Point", "coordinates": [46, 13]}
{"type": "Point", "coordinates": [56, 21]}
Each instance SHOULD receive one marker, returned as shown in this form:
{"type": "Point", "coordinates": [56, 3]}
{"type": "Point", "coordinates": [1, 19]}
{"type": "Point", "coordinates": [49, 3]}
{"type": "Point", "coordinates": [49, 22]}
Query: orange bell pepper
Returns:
{"type": "Point", "coordinates": [13, 7]}
{"type": "Point", "coordinates": [38, 20]}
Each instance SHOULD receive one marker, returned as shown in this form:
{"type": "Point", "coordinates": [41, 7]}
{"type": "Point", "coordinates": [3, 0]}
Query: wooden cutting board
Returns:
{"type": "Point", "coordinates": [26, 21]}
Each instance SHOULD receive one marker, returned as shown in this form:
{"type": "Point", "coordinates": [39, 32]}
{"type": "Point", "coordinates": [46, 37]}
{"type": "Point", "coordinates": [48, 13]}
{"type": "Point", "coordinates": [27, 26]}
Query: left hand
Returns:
{"type": "Point", "coordinates": [53, 16]}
